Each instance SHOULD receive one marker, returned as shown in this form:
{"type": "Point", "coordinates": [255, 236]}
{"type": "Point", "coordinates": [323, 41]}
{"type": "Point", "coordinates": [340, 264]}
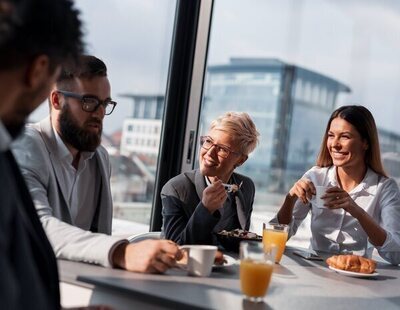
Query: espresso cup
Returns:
{"type": "Point", "coordinates": [320, 191]}
{"type": "Point", "coordinates": [200, 259]}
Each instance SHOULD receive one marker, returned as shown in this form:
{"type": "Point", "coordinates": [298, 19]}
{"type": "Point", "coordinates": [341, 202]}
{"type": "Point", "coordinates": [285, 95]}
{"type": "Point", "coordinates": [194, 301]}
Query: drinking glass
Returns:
{"type": "Point", "coordinates": [256, 266]}
{"type": "Point", "coordinates": [276, 234]}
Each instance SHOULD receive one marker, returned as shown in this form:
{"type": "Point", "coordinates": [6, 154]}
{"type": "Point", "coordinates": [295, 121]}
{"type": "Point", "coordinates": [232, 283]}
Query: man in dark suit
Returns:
{"type": "Point", "coordinates": [36, 36]}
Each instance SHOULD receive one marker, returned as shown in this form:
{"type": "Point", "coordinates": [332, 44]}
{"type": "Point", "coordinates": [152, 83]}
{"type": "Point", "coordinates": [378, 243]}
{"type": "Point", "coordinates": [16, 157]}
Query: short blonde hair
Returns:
{"type": "Point", "coordinates": [241, 127]}
{"type": "Point", "coordinates": [363, 121]}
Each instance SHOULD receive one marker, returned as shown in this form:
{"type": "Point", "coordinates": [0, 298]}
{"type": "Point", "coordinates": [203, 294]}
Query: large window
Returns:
{"type": "Point", "coordinates": [133, 38]}
{"type": "Point", "coordinates": [305, 58]}
{"type": "Point", "coordinates": [288, 63]}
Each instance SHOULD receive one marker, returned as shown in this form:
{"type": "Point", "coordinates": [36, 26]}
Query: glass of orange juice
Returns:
{"type": "Point", "coordinates": [276, 234]}
{"type": "Point", "coordinates": [256, 268]}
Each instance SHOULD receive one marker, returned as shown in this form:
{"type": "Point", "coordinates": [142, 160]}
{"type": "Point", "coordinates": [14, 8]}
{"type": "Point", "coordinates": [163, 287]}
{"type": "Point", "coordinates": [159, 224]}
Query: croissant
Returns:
{"type": "Point", "coordinates": [353, 263]}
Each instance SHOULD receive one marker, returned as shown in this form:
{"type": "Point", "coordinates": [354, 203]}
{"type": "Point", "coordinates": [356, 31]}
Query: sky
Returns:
{"type": "Point", "coordinates": [133, 38]}
{"type": "Point", "coordinates": [356, 42]}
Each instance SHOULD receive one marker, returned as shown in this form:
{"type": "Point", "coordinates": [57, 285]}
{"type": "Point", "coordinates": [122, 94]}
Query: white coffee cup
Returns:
{"type": "Point", "coordinates": [200, 259]}
{"type": "Point", "coordinates": [320, 191]}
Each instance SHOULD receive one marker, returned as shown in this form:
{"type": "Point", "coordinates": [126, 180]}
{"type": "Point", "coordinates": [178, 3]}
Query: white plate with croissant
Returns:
{"type": "Point", "coordinates": [354, 274]}
{"type": "Point", "coordinates": [352, 266]}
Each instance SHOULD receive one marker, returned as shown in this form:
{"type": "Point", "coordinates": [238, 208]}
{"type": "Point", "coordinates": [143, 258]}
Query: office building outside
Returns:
{"type": "Point", "coordinates": [290, 106]}
{"type": "Point", "coordinates": [141, 131]}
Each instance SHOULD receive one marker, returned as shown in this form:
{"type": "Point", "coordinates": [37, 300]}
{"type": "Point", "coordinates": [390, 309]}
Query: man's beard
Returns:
{"type": "Point", "coordinates": [80, 138]}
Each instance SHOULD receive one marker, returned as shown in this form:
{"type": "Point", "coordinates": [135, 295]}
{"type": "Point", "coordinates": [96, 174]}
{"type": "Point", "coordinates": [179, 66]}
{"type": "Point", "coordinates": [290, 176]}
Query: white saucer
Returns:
{"type": "Point", "coordinates": [230, 261]}
{"type": "Point", "coordinates": [354, 274]}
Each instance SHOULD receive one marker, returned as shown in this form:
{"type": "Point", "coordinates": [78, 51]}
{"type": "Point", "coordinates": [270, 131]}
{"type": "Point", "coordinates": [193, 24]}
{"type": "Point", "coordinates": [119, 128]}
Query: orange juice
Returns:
{"type": "Point", "coordinates": [255, 277]}
{"type": "Point", "coordinates": [278, 238]}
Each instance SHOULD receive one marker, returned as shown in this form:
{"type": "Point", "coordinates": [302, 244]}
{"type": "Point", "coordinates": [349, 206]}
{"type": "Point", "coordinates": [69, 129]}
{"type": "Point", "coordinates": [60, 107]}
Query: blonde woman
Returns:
{"type": "Point", "coordinates": [196, 204]}
{"type": "Point", "coordinates": [362, 205]}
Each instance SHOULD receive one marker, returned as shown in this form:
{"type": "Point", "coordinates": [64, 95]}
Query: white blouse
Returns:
{"type": "Point", "coordinates": [336, 231]}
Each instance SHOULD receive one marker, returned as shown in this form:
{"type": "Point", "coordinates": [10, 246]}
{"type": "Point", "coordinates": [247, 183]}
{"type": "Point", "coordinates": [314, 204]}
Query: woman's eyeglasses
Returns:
{"type": "Point", "coordinates": [222, 151]}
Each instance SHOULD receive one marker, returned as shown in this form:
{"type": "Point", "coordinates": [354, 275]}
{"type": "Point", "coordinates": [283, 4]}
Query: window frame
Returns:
{"type": "Point", "coordinates": [183, 96]}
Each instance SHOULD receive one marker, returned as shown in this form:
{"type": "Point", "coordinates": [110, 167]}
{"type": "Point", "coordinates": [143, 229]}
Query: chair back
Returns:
{"type": "Point", "coordinates": [145, 236]}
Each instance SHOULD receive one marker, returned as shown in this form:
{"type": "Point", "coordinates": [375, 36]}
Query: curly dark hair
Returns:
{"type": "Point", "coordinates": [29, 28]}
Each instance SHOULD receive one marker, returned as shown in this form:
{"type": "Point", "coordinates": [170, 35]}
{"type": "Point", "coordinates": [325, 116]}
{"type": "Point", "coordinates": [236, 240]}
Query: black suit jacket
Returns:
{"type": "Point", "coordinates": [29, 278]}
{"type": "Point", "coordinates": [187, 221]}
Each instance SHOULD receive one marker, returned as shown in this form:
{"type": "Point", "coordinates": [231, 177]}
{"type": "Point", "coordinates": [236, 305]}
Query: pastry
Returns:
{"type": "Point", "coordinates": [240, 233]}
{"type": "Point", "coordinates": [353, 263]}
{"type": "Point", "coordinates": [219, 259]}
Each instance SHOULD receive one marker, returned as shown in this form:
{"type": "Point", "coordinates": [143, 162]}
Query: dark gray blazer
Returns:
{"type": "Point", "coordinates": [187, 221]}
{"type": "Point", "coordinates": [28, 268]}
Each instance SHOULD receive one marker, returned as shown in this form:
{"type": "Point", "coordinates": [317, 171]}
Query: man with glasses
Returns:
{"type": "Point", "coordinates": [200, 203]}
{"type": "Point", "coordinates": [68, 174]}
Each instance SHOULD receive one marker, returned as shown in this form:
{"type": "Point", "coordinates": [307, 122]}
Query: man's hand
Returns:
{"type": "Point", "coordinates": [149, 256]}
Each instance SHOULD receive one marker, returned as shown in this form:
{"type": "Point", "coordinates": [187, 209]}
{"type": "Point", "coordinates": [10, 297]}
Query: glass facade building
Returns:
{"type": "Point", "coordinates": [273, 92]}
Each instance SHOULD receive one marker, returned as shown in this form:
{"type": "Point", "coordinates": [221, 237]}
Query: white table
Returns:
{"type": "Point", "coordinates": [296, 284]}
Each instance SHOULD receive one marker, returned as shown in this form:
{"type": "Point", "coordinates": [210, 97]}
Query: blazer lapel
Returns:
{"type": "Point", "coordinates": [239, 199]}
{"type": "Point", "coordinates": [240, 203]}
{"type": "Point", "coordinates": [200, 183]}
{"type": "Point", "coordinates": [102, 219]}
{"type": "Point", "coordinates": [49, 138]}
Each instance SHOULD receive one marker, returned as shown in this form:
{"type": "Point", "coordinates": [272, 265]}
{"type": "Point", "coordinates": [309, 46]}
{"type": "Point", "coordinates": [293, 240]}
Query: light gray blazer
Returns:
{"type": "Point", "coordinates": [37, 155]}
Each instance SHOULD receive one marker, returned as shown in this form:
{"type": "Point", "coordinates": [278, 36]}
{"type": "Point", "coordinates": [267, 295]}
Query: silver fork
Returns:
{"type": "Point", "coordinates": [229, 187]}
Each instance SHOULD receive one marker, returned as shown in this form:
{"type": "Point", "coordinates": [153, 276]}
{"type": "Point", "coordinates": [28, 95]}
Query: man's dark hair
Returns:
{"type": "Point", "coordinates": [90, 67]}
{"type": "Point", "coordinates": [87, 67]}
{"type": "Point", "coordinates": [29, 28]}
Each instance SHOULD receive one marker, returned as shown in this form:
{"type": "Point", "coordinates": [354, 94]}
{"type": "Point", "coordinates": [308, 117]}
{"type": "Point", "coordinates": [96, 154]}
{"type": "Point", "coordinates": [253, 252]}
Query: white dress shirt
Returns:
{"type": "Point", "coordinates": [336, 231]}
{"type": "Point", "coordinates": [82, 184]}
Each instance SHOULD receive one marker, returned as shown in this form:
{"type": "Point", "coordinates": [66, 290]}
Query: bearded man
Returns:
{"type": "Point", "coordinates": [68, 175]}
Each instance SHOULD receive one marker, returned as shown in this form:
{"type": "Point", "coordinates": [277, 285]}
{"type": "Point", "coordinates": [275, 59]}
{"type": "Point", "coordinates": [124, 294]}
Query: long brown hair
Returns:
{"type": "Point", "coordinates": [363, 121]}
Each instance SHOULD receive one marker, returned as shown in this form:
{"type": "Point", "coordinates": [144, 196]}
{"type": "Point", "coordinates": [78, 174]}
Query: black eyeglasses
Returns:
{"type": "Point", "coordinates": [91, 103]}
{"type": "Point", "coordinates": [222, 151]}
